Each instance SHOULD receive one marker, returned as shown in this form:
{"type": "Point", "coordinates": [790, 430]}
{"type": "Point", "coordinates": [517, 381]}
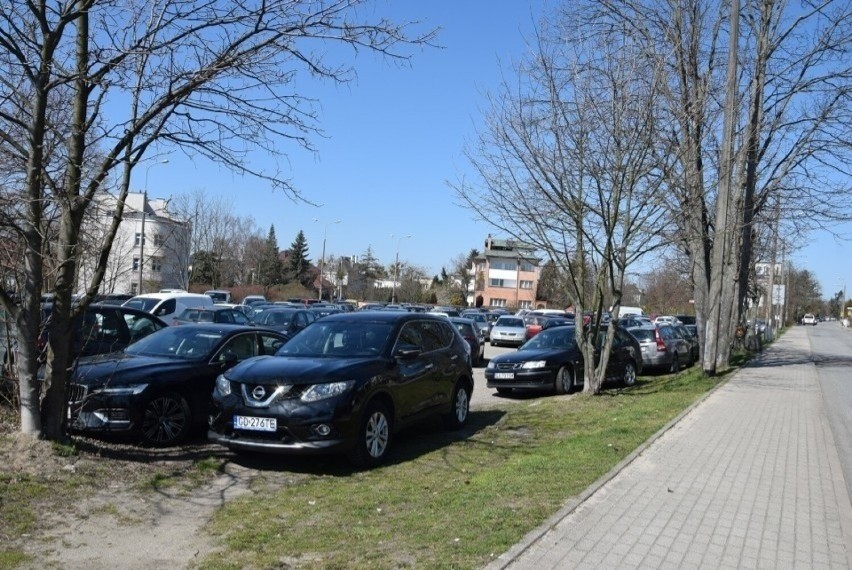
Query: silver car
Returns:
{"type": "Point", "coordinates": [509, 329]}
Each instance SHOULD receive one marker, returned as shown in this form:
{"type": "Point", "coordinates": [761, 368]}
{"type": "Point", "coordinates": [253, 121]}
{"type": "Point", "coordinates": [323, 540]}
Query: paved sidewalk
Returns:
{"type": "Point", "coordinates": [750, 478]}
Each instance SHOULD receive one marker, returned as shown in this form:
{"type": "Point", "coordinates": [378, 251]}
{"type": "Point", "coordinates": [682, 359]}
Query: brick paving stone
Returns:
{"type": "Point", "coordinates": [749, 478]}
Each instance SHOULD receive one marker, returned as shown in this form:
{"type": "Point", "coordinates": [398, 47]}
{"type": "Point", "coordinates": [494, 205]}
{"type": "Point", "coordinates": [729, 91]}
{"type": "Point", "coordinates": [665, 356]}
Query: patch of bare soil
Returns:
{"type": "Point", "coordinates": [111, 505]}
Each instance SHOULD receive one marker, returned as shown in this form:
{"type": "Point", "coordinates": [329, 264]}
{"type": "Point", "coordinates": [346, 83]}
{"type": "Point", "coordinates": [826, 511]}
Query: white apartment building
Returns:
{"type": "Point", "coordinates": [151, 249]}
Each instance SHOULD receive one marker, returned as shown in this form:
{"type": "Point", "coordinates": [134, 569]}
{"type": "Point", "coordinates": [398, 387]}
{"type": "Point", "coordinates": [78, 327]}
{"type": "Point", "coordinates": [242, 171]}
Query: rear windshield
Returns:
{"type": "Point", "coordinates": [643, 335]}
{"type": "Point", "coordinates": [510, 322]}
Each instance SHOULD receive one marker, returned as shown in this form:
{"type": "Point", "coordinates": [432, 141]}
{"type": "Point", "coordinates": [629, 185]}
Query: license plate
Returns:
{"type": "Point", "coordinates": [255, 424]}
{"type": "Point", "coordinates": [504, 375]}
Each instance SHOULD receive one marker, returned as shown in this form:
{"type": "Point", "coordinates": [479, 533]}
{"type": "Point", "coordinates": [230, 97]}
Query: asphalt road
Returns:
{"type": "Point", "coordinates": [831, 347]}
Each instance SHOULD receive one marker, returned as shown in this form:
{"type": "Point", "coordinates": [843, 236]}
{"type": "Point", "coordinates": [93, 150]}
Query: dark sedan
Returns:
{"type": "Point", "coordinates": [552, 360]}
{"type": "Point", "coordinates": [472, 334]}
{"type": "Point", "coordinates": [346, 384]}
{"type": "Point", "coordinates": [159, 388]}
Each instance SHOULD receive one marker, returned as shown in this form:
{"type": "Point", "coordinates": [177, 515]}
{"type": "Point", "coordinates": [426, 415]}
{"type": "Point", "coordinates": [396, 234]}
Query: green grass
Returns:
{"type": "Point", "coordinates": [448, 500]}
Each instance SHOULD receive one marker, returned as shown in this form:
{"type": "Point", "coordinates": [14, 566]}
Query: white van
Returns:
{"type": "Point", "coordinates": [624, 310]}
{"type": "Point", "coordinates": [167, 306]}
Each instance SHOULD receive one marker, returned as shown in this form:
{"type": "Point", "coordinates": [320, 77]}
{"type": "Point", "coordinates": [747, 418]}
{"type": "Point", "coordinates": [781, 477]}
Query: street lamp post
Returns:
{"type": "Point", "coordinates": [396, 266]}
{"type": "Point", "coordinates": [142, 229]}
{"type": "Point", "coordinates": [322, 258]}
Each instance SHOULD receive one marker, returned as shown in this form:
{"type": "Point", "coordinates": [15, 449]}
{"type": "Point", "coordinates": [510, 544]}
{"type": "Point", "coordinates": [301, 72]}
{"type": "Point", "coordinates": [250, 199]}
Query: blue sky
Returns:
{"type": "Point", "coordinates": [393, 140]}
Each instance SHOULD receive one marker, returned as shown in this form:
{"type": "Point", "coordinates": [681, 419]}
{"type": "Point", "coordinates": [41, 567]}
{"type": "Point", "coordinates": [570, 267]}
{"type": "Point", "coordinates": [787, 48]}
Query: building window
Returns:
{"type": "Point", "coordinates": [133, 288]}
{"type": "Point", "coordinates": [156, 265]}
{"type": "Point", "coordinates": [510, 265]}
{"type": "Point", "coordinates": [495, 283]}
{"type": "Point", "coordinates": [527, 266]}
{"type": "Point", "coordinates": [525, 305]}
{"type": "Point", "coordinates": [135, 264]}
{"type": "Point", "coordinates": [137, 239]}
{"type": "Point", "coordinates": [497, 302]}
{"type": "Point", "coordinates": [526, 284]}
{"type": "Point", "coordinates": [159, 240]}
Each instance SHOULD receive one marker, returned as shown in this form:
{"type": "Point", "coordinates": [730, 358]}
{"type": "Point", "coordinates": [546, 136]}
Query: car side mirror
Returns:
{"type": "Point", "coordinates": [408, 351]}
{"type": "Point", "coordinates": [229, 359]}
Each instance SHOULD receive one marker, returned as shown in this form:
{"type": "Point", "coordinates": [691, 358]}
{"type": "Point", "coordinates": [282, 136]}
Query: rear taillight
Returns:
{"type": "Point", "coordinates": [661, 346]}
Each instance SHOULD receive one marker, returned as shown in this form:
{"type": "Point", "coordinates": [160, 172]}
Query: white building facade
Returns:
{"type": "Point", "coordinates": [151, 250]}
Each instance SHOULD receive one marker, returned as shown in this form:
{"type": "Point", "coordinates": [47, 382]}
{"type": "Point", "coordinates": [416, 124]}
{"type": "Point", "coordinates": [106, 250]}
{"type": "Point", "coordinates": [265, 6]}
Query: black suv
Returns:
{"type": "Point", "coordinates": [346, 383]}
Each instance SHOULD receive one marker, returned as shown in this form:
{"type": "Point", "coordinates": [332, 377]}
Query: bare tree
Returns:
{"type": "Point", "coordinates": [571, 163]}
{"type": "Point", "coordinates": [214, 77]}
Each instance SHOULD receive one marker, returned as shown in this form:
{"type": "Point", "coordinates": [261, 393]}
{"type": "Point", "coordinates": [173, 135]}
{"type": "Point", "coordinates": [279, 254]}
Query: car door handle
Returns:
{"type": "Point", "coordinates": [429, 366]}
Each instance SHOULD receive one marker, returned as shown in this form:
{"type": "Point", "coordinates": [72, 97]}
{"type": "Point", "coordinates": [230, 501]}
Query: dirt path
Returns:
{"type": "Point", "coordinates": [120, 528]}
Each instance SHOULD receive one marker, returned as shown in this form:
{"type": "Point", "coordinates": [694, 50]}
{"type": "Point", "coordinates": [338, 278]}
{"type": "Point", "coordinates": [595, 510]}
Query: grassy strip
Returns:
{"type": "Point", "coordinates": [448, 500]}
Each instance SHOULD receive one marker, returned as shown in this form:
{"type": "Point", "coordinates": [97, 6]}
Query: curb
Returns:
{"type": "Point", "coordinates": [508, 557]}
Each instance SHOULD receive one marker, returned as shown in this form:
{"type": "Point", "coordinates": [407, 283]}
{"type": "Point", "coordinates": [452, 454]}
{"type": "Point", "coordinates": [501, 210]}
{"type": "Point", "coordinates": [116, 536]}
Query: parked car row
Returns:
{"type": "Point", "coordinates": [345, 384]}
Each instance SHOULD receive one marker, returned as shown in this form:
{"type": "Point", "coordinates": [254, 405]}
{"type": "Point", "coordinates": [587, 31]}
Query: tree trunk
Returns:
{"type": "Point", "coordinates": [723, 241]}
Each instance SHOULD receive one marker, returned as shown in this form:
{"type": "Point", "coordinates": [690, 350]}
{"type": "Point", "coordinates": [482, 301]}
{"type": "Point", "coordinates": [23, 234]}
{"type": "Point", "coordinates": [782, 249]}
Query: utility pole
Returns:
{"type": "Point", "coordinates": [322, 258]}
{"type": "Point", "coordinates": [142, 229]}
{"type": "Point", "coordinates": [396, 267]}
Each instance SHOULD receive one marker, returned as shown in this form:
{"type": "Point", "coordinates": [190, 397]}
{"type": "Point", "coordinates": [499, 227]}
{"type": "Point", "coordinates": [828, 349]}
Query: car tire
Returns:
{"type": "Point", "coordinates": [674, 368]}
{"type": "Point", "coordinates": [460, 410]}
{"type": "Point", "coordinates": [628, 378]}
{"type": "Point", "coordinates": [492, 343]}
{"type": "Point", "coordinates": [166, 420]}
{"type": "Point", "coordinates": [374, 436]}
{"type": "Point", "coordinates": [504, 391]}
{"type": "Point", "coordinates": [564, 381]}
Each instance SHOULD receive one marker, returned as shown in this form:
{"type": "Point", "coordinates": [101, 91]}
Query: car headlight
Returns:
{"type": "Point", "coordinates": [129, 390]}
{"type": "Point", "coordinates": [223, 385]}
{"type": "Point", "coordinates": [322, 391]}
{"type": "Point", "coordinates": [534, 364]}
{"type": "Point", "coordinates": [490, 365]}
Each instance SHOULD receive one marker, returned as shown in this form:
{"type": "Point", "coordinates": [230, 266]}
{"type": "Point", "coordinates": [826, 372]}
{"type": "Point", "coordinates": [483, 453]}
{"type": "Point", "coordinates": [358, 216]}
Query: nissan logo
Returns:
{"type": "Point", "coordinates": [258, 392]}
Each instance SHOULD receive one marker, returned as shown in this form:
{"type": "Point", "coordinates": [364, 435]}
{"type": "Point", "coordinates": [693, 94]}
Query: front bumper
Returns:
{"type": "Point", "coordinates": [320, 427]}
{"type": "Point", "coordinates": [536, 378]}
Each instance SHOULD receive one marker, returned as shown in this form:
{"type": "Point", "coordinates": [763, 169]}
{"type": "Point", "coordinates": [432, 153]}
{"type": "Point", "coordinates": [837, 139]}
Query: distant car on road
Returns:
{"type": "Point", "coordinates": [809, 319]}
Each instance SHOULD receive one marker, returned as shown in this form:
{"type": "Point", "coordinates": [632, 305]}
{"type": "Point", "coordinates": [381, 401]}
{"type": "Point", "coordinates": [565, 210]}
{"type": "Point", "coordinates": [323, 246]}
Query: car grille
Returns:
{"type": "Point", "coordinates": [508, 365]}
{"type": "Point", "coordinates": [263, 395]}
{"type": "Point", "coordinates": [77, 393]}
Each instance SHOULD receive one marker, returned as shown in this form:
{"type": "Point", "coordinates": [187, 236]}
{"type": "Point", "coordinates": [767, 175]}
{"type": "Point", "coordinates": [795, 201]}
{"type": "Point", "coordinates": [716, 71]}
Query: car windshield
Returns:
{"type": "Point", "coordinates": [478, 317]}
{"type": "Point", "coordinates": [512, 322]}
{"type": "Point", "coordinates": [338, 339]}
{"type": "Point", "coordinates": [198, 315]}
{"type": "Point", "coordinates": [189, 343]}
{"type": "Point", "coordinates": [142, 303]}
{"type": "Point", "coordinates": [561, 337]}
{"type": "Point", "coordinates": [277, 318]}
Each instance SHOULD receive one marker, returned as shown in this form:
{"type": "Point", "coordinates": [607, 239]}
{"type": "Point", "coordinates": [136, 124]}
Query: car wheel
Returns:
{"type": "Point", "coordinates": [374, 436]}
{"type": "Point", "coordinates": [675, 366]}
{"type": "Point", "coordinates": [564, 381]}
{"type": "Point", "coordinates": [629, 376]}
{"type": "Point", "coordinates": [492, 343]}
{"type": "Point", "coordinates": [166, 420]}
{"type": "Point", "coordinates": [458, 414]}
{"type": "Point", "coordinates": [504, 391]}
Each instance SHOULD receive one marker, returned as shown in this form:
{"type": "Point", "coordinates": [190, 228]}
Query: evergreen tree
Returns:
{"type": "Point", "coordinates": [551, 286]}
{"type": "Point", "coordinates": [269, 270]}
{"type": "Point", "coordinates": [298, 263]}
